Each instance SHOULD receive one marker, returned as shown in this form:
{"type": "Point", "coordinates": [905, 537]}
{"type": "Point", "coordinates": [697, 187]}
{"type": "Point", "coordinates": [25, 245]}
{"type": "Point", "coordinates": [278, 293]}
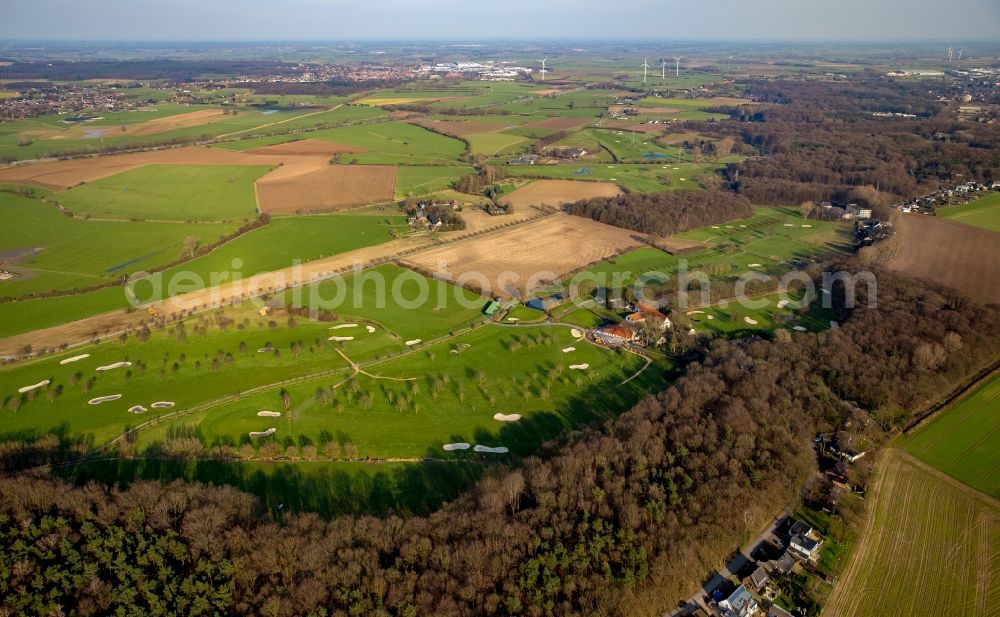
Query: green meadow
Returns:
{"type": "Point", "coordinates": [415, 180]}
{"type": "Point", "coordinates": [960, 441]}
{"type": "Point", "coordinates": [59, 252]}
{"type": "Point", "coordinates": [169, 193]}
{"type": "Point", "coordinates": [984, 212]}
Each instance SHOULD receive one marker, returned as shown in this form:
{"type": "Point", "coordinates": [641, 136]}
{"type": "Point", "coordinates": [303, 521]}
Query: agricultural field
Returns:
{"type": "Point", "coordinates": [984, 213]}
{"type": "Point", "coordinates": [416, 180]}
{"type": "Point", "coordinates": [391, 143]}
{"type": "Point", "coordinates": [548, 249]}
{"type": "Point", "coordinates": [331, 187]}
{"type": "Point", "coordinates": [559, 192]}
{"type": "Point", "coordinates": [52, 251]}
{"type": "Point", "coordinates": [950, 253]}
{"type": "Point", "coordinates": [47, 136]}
{"type": "Point", "coordinates": [169, 193]}
{"type": "Point", "coordinates": [962, 441]}
{"type": "Point", "coordinates": [930, 547]}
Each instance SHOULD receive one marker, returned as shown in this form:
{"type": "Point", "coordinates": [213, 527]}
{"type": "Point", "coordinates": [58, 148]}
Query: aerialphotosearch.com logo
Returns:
{"type": "Point", "coordinates": [360, 287]}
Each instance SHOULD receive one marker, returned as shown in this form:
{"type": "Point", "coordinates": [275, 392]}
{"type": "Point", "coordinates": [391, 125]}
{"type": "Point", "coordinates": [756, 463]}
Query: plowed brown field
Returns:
{"type": "Point", "coordinates": [332, 187]}
{"type": "Point", "coordinates": [559, 192]}
{"type": "Point", "coordinates": [536, 253]}
{"type": "Point", "coordinates": [943, 251]}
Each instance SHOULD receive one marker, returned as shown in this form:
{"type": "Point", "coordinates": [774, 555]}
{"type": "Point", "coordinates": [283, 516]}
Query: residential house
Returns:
{"type": "Point", "coordinates": [805, 548]}
{"type": "Point", "coordinates": [785, 563]}
{"type": "Point", "coordinates": [799, 528]}
{"type": "Point", "coordinates": [757, 580]}
{"type": "Point", "coordinates": [859, 212]}
{"type": "Point", "coordinates": [740, 603]}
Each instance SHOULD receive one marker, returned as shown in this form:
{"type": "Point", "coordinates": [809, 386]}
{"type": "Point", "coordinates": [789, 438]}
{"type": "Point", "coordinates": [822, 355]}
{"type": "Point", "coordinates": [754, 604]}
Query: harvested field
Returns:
{"type": "Point", "coordinates": [559, 192]}
{"type": "Point", "coordinates": [333, 187]}
{"type": "Point", "coordinates": [307, 147]}
{"type": "Point", "coordinates": [930, 547]}
{"type": "Point", "coordinates": [561, 124]}
{"type": "Point", "coordinates": [536, 253]}
{"type": "Point", "coordinates": [953, 254]}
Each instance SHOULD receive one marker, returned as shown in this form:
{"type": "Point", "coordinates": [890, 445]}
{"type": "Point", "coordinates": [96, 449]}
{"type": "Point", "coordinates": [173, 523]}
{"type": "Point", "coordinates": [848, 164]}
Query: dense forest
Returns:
{"type": "Point", "coordinates": [621, 519]}
{"type": "Point", "coordinates": [664, 213]}
{"type": "Point", "coordinates": [824, 144]}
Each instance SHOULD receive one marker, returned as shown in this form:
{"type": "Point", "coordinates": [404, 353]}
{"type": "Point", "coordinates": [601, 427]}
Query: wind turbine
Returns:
{"type": "Point", "coordinates": [663, 65]}
{"type": "Point", "coordinates": [951, 53]}
{"type": "Point", "coordinates": [543, 61]}
{"type": "Point", "coordinates": [960, 52]}
{"type": "Point", "coordinates": [645, 68]}
{"type": "Point", "coordinates": [678, 59]}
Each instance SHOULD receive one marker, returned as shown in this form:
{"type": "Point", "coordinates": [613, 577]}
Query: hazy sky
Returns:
{"type": "Point", "coordinates": [826, 20]}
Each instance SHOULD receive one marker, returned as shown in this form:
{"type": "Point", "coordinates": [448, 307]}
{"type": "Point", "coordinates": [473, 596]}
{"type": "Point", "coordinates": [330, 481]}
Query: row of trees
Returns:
{"type": "Point", "coordinates": [621, 520]}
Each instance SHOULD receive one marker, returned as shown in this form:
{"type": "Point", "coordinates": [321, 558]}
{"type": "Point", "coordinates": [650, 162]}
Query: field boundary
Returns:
{"type": "Point", "coordinates": [955, 396]}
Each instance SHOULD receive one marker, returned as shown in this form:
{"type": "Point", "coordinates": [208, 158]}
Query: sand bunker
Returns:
{"type": "Point", "coordinates": [497, 450]}
{"type": "Point", "coordinates": [451, 447]}
{"type": "Point", "coordinates": [752, 322]}
{"type": "Point", "coordinates": [344, 325]}
{"type": "Point", "coordinates": [711, 316]}
{"type": "Point", "coordinates": [40, 384]}
{"type": "Point", "coordinates": [415, 341]}
{"type": "Point", "coordinates": [340, 338]}
{"type": "Point", "coordinates": [75, 359]}
{"type": "Point", "coordinates": [716, 227]}
{"type": "Point", "coordinates": [104, 399]}
{"type": "Point", "coordinates": [755, 265]}
{"type": "Point", "coordinates": [579, 367]}
{"type": "Point", "coordinates": [789, 225]}
{"type": "Point", "coordinates": [265, 350]}
{"type": "Point", "coordinates": [783, 303]}
{"type": "Point", "coordinates": [569, 349]}
{"type": "Point", "coordinates": [695, 312]}
{"type": "Point", "coordinates": [111, 367]}
{"type": "Point", "coordinates": [799, 328]}
{"type": "Point", "coordinates": [513, 319]}
{"type": "Point", "coordinates": [162, 405]}
{"type": "Point", "coordinates": [507, 417]}
{"type": "Point", "coordinates": [807, 225]}
{"type": "Point", "coordinates": [137, 409]}
{"type": "Point", "coordinates": [576, 333]}
{"type": "Point", "coordinates": [371, 329]}
{"type": "Point", "coordinates": [267, 433]}
{"type": "Point", "coordinates": [269, 414]}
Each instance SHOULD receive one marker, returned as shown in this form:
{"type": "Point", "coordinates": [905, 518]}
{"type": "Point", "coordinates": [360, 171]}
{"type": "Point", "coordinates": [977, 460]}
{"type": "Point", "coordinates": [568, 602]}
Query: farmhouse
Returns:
{"type": "Point", "coordinates": [524, 159]}
{"type": "Point", "coordinates": [740, 603]}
